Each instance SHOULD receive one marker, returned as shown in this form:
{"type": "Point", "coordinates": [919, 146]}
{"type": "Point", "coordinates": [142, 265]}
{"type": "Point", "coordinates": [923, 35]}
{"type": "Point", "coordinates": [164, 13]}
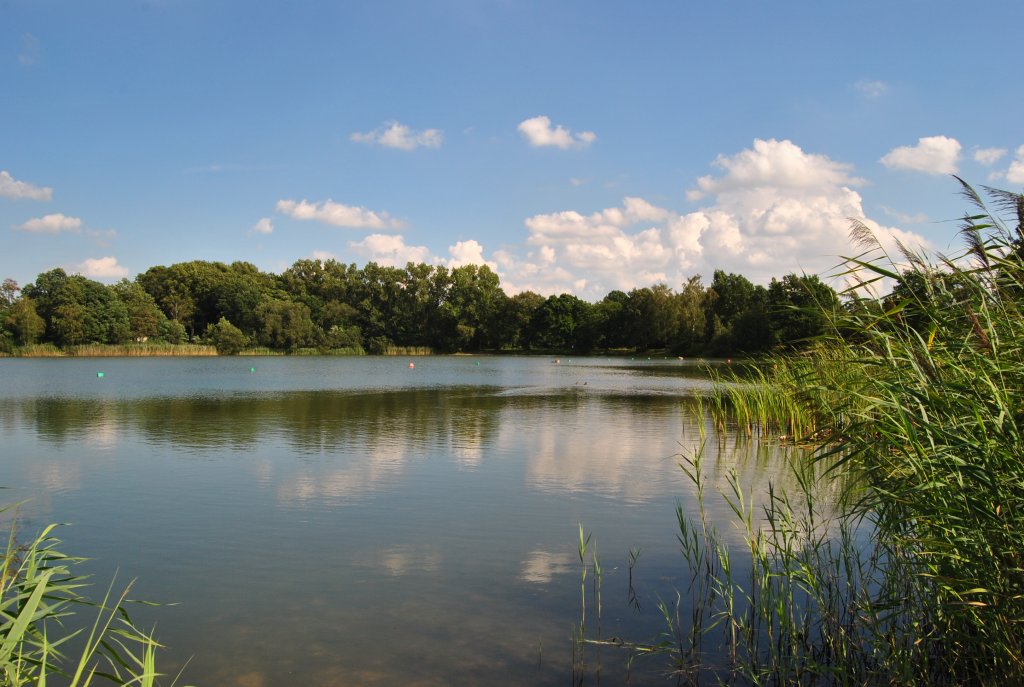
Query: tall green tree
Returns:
{"type": "Point", "coordinates": [285, 324]}
{"type": "Point", "coordinates": [799, 308]}
{"type": "Point", "coordinates": [730, 297]}
{"type": "Point", "coordinates": [78, 310]}
{"type": "Point", "coordinates": [610, 320]}
{"type": "Point", "coordinates": [374, 294]}
{"type": "Point", "coordinates": [522, 309]}
{"type": "Point", "coordinates": [226, 337]}
{"type": "Point", "coordinates": [469, 312]}
{"type": "Point", "coordinates": [144, 315]}
{"type": "Point", "coordinates": [692, 317]}
{"type": "Point", "coordinates": [8, 292]}
{"type": "Point", "coordinates": [198, 293]}
{"type": "Point", "coordinates": [565, 322]}
{"type": "Point", "coordinates": [751, 329]}
{"type": "Point", "coordinates": [24, 323]}
{"type": "Point", "coordinates": [652, 317]}
{"type": "Point", "coordinates": [171, 291]}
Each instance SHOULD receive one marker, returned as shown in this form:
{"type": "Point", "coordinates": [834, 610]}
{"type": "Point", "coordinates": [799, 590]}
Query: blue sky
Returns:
{"type": "Point", "coordinates": [572, 146]}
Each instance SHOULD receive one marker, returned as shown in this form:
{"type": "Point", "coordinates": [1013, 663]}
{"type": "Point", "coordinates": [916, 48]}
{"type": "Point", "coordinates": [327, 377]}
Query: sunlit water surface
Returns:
{"type": "Point", "coordinates": [363, 521]}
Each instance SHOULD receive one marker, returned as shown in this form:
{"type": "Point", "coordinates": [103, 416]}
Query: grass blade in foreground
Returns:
{"type": "Point", "coordinates": [40, 600]}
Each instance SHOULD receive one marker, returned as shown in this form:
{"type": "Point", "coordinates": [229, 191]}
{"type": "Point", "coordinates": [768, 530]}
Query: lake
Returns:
{"type": "Point", "coordinates": [365, 521]}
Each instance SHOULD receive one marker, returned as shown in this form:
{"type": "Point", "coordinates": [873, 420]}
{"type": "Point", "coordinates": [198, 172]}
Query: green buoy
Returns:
{"type": "Point", "coordinates": [99, 374]}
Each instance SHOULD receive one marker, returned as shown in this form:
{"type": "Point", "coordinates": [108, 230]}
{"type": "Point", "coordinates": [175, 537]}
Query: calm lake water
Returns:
{"type": "Point", "coordinates": [355, 521]}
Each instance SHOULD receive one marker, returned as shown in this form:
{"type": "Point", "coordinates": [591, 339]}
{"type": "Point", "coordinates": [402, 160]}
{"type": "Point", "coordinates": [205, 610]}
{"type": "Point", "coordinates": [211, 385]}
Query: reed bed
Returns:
{"type": "Point", "coordinates": [140, 350]}
{"type": "Point", "coordinates": [38, 351]}
{"type": "Point", "coordinates": [264, 351]}
{"type": "Point", "coordinates": [351, 350]}
{"type": "Point", "coordinates": [305, 351]}
{"type": "Point", "coordinates": [260, 351]}
{"type": "Point", "coordinates": [799, 398]}
{"type": "Point", "coordinates": [407, 350]}
{"type": "Point", "coordinates": [911, 571]}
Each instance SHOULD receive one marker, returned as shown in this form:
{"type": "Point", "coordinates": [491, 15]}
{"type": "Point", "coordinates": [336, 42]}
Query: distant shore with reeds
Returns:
{"type": "Point", "coordinates": [168, 350]}
{"type": "Point", "coordinates": [134, 350]}
{"type": "Point", "coordinates": [158, 350]}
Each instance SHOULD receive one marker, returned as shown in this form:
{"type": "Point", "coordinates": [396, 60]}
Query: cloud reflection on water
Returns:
{"type": "Point", "coordinates": [541, 566]}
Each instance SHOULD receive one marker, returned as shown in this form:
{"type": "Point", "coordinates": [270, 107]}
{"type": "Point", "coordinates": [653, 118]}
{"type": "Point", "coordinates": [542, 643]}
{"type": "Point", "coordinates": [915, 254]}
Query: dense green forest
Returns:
{"type": "Point", "coordinates": [333, 307]}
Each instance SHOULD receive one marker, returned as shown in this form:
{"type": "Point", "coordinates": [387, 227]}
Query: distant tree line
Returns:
{"type": "Point", "coordinates": [331, 306]}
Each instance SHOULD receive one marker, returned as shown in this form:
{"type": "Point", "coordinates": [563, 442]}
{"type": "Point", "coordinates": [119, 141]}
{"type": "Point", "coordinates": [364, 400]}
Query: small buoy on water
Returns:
{"type": "Point", "coordinates": [412, 366]}
{"type": "Point", "coordinates": [251, 370]}
{"type": "Point", "coordinates": [478, 363]}
{"type": "Point", "coordinates": [99, 374]}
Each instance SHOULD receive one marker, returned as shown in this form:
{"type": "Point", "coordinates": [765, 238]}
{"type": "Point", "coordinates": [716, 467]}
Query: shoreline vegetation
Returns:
{"type": "Point", "coordinates": [327, 307]}
{"type": "Point", "coordinates": [899, 557]}
{"type": "Point", "coordinates": [157, 350]}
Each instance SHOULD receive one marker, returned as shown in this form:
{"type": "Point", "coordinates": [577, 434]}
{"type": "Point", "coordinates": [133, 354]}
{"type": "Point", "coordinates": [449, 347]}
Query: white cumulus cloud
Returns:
{"type": "Point", "coordinates": [539, 133]}
{"type": "Point", "coordinates": [469, 252]}
{"type": "Point", "coordinates": [396, 135]}
{"type": "Point", "coordinates": [12, 188]}
{"type": "Point", "coordinates": [337, 214]}
{"type": "Point", "coordinates": [989, 156]}
{"type": "Point", "coordinates": [773, 209]}
{"type": "Point", "coordinates": [932, 154]}
{"type": "Point", "coordinates": [1015, 174]}
{"type": "Point", "coordinates": [766, 211]}
{"type": "Point", "coordinates": [101, 268]}
{"type": "Point", "coordinates": [52, 224]}
{"type": "Point", "coordinates": [390, 250]}
{"type": "Point", "coordinates": [773, 164]}
{"type": "Point", "coordinates": [264, 226]}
